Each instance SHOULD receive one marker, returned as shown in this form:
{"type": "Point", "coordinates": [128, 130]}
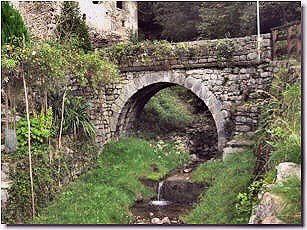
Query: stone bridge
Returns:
{"type": "Point", "coordinates": [230, 87]}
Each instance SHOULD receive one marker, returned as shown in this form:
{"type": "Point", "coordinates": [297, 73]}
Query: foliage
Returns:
{"type": "Point", "coordinates": [49, 67]}
{"type": "Point", "coordinates": [76, 117]}
{"type": "Point", "coordinates": [224, 49]}
{"type": "Point", "coordinates": [290, 190]}
{"type": "Point", "coordinates": [281, 120]}
{"type": "Point", "coordinates": [104, 195]}
{"type": "Point", "coordinates": [91, 69]}
{"type": "Point", "coordinates": [71, 25]}
{"type": "Point", "coordinates": [278, 138]}
{"type": "Point", "coordinates": [48, 176]}
{"type": "Point", "coordinates": [186, 21]}
{"type": "Point", "coordinates": [206, 173]}
{"type": "Point", "coordinates": [245, 201]}
{"type": "Point", "coordinates": [217, 204]}
{"type": "Point", "coordinates": [40, 126]}
{"type": "Point", "coordinates": [145, 51]}
{"type": "Point", "coordinates": [273, 14]}
{"type": "Point", "coordinates": [13, 29]}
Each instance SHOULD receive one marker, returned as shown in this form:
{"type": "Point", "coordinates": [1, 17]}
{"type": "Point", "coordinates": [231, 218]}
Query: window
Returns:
{"type": "Point", "coordinates": [123, 23]}
{"type": "Point", "coordinates": [119, 4]}
{"type": "Point", "coordinates": [95, 2]}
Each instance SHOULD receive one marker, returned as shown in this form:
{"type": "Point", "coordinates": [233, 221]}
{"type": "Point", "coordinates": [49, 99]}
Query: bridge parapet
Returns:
{"type": "Point", "coordinates": [204, 53]}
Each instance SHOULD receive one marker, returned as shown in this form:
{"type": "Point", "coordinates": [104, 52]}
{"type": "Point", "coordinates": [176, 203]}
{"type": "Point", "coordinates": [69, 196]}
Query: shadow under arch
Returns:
{"type": "Point", "coordinates": [138, 91]}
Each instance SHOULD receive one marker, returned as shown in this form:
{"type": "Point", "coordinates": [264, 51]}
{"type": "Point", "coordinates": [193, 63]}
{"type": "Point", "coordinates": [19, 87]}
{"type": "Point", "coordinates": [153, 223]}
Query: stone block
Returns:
{"type": "Point", "coordinates": [243, 128]}
{"type": "Point", "coordinates": [252, 56]}
{"type": "Point", "coordinates": [230, 150]}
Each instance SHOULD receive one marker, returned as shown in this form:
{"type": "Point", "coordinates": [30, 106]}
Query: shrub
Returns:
{"type": "Point", "coordinates": [48, 176]}
{"type": "Point", "coordinates": [13, 28]}
{"type": "Point", "coordinates": [40, 126]}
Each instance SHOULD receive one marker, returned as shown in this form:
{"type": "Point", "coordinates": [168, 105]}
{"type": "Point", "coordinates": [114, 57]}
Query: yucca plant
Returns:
{"type": "Point", "coordinates": [76, 117]}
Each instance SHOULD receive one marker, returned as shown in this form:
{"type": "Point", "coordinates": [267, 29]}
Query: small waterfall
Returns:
{"type": "Point", "coordinates": [159, 189]}
{"type": "Point", "coordinates": [159, 202]}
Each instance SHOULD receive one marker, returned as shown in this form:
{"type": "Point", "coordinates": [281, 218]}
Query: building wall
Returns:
{"type": "Point", "coordinates": [107, 23]}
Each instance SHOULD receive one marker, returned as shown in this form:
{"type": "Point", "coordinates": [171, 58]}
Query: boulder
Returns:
{"type": "Point", "coordinates": [288, 169]}
{"type": "Point", "coordinates": [180, 188]}
{"type": "Point", "coordinates": [272, 220]}
{"type": "Point", "coordinates": [269, 206]}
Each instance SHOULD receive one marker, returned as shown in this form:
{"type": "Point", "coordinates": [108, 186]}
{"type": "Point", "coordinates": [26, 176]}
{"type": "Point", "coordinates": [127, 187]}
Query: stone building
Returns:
{"type": "Point", "coordinates": [108, 21]}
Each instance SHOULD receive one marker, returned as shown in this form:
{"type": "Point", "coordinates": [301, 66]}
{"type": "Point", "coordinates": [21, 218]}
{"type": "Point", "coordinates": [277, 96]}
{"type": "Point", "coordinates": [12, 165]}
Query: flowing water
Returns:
{"type": "Point", "coordinates": [145, 211]}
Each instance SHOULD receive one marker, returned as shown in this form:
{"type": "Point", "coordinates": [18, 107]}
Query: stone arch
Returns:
{"type": "Point", "coordinates": [139, 90]}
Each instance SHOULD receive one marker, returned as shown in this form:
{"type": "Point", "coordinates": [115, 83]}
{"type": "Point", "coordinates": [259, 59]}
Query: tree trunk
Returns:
{"type": "Point", "coordinates": [62, 120]}
{"type": "Point", "coordinates": [29, 144]}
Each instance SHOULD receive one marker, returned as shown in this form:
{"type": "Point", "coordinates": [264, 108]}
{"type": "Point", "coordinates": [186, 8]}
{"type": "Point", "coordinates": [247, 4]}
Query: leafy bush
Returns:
{"type": "Point", "coordinates": [217, 204]}
{"type": "Point", "coordinates": [290, 190]}
{"type": "Point", "coordinates": [13, 29]}
{"type": "Point", "coordinates": [104, 195]}
{"type": "Point", "coordinates": [40, 129]}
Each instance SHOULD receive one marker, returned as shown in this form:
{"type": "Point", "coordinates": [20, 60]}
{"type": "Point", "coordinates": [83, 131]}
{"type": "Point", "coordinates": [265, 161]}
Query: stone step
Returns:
{"type": "Point", "coordinates": [240, 143]}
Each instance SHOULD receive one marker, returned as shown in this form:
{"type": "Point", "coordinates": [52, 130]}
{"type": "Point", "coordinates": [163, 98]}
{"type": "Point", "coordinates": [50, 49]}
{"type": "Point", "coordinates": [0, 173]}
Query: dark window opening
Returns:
{"type": "Point", "coordinates": [119, 4]}
{"type": "Point", "coordinates": [83, 16]}
{"type": "Point", "coordinates": [95, 2]}
{"type": "Point", "coordinates": [123, 23]}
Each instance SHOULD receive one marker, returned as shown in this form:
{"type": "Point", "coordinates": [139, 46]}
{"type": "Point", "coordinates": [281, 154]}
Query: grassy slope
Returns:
{"type": "Point", "coordinates": [105, 194]}
{"type": "Point", "coordinates": [284, 129]}
{"type": "Point", "coordinates": [217, 204]}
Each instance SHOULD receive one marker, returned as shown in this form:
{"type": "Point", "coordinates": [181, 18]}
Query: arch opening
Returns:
{"type": "Point", "coordinates": [138, 92]}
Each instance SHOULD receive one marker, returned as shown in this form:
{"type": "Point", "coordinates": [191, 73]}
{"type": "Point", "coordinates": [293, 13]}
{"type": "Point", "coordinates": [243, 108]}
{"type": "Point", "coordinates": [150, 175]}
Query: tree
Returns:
{"type": "Point", "coordinates": [179, 20]}
{"type": "Point", "coordinates": [173, 21]}
{"type": "Point", "coordinates": [227, 19]}
{"type": "Point", "coordinates": [273, 14]}
{"type": "Point", "coordinates": [13, 28]}
{"type": "Point", "coordinates": [71, 25]}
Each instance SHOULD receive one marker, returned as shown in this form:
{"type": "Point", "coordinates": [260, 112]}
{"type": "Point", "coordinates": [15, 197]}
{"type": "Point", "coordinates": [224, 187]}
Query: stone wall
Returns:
{"type": "Point", "coordinates": [230, 88]}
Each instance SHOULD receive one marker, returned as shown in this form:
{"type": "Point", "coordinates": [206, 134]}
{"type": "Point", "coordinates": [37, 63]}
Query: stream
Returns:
{"type": "Point", "coordinates": [176, 195]}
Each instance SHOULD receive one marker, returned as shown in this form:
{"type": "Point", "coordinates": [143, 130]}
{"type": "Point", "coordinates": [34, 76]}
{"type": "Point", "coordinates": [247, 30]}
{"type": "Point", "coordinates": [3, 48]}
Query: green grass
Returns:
{"type": "Point", "coordinates": [166, 111]}
{"type": "Point", "coordinates": [206, 173]}
{"type": "Point", "coordinates": [290, 191]}
{"type": "Point", "coordinates": [104, 195]}
{"type": "Point", "coordinates": [217, 204]}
